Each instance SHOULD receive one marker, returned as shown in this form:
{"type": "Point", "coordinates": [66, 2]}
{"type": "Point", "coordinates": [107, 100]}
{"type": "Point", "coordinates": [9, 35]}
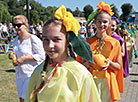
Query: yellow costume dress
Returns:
{"type": "Point", "coordinates": [129, 43]}
{"type": "Point", "coordinates": [72, 82]}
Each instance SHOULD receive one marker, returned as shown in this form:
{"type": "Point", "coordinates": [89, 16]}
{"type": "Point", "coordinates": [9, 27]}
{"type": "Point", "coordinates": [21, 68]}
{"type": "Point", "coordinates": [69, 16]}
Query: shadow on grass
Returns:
{"type": "Point", "coordinates": [133, 74]}
{"type": "Point", "coordinates": [135, 81]}
{"type": "Point", "coordinates": [10, 70]}
{"type": "Point", "coordinates": [2, 53]}
{"type": "Point", "coordinates": [135, 63]}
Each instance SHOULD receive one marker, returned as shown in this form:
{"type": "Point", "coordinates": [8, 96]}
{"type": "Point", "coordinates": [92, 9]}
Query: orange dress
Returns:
{"type": "Point", "coordinates": [112, 51]}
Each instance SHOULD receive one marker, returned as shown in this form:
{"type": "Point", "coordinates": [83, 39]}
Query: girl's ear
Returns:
{"type": "Point", "coordinates": [110, 22]}
{"type": "Point", "coordinates": [108, 31]}
{"type": "Point", "coordinates": [68, 43]}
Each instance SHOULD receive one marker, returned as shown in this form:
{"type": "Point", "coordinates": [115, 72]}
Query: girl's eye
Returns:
{"type": "Point", "coordinates": [105, 22]}
{"type": "Point", "coordinates": [45, 39]}
{"type": "Point", "coordinates": [99, 22]}
{"type": "Point", "coordinates": [113, 25]}
{"type": "Point", "coordinates": [56, 40]}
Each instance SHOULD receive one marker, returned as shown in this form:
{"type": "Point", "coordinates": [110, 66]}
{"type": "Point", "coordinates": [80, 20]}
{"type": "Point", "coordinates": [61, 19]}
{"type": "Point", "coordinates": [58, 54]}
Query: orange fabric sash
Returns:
{"type": "Point", "coordinates": [111, 50]}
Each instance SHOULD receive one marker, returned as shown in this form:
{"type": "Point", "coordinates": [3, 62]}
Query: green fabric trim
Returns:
{"type": "Point", "coordinates": [80, 46]}
{"type": "Point", "coordinates": [91, 16]}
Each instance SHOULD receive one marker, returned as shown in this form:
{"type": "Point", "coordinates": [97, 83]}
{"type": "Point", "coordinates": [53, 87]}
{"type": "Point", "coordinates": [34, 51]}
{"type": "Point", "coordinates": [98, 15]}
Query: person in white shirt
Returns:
{"type": "Point", "coordinates": [0, 30]}
{"type": "Point", "coordinates": [29, 53]}
{"type": "Point", "coordinates": [5, 29]}
{"type": "Point", "coordinates": [82, 31]}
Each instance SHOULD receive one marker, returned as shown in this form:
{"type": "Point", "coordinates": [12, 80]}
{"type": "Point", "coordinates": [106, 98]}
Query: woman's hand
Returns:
{"type": "Point", "coordinates": [11, 56]}
{"type": "Point", "coordinates": [88, 64]}
{"type": "Point", "coordinates": [105, 66]}
{"type": "Point", "coordinates": [19, 61]}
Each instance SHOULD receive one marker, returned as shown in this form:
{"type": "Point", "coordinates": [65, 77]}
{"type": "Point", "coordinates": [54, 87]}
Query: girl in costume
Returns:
{"type": "Point", "coordinates": [61, 78]}
{"type": "Point", "coordinates": [133, 37]}
{"type": "Point", "coordinates": [29, 52]}
{"type": "Point", "coordinates": [129, 43]}
{"type": "Point", "coordinates": [114, 25]}
{"type": "Point", "coordinates": [107, 69]}
{"type": "Point", "coordinates": [133, 34]}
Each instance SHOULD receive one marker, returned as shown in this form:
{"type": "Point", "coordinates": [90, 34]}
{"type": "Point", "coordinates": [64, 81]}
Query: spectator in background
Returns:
{"type": "Point", "coordinates": [5, 29]}
{"type": "Point", "coordinates": [32, 29]}
{"type": "Point", "coordinates": [82, 31]}
{"type": "Point", "coordinates": [11, 31]}
{"type": "Point", "coordinates": [39, 29]}
{"type": "Point", "coordinates": [91, 32]}
{"type": "Point", "coordinates": [0, 31]}
{"type": "Point", "coordinates": [29, 52]}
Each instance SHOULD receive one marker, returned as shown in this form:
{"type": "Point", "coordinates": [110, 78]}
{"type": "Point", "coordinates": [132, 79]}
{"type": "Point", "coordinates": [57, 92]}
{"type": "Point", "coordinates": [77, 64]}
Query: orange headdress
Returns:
{"type": "Point", "coordinates": [102, 7]}
{"type": "Point", "coordinates": [105, 8]}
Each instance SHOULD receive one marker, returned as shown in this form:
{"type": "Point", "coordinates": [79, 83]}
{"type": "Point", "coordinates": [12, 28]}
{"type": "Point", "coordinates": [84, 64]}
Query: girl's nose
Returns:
{"type": "Point", "coordinates": [51, 44]}
{"type": "Point", "coordinates": [102, 23]}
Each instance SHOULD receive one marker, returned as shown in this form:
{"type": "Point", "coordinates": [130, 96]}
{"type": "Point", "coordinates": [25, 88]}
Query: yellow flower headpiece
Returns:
{"type": "Point", "coordinates": [104, 7]}
{"type": "Point", "coordinates": [70, 23]}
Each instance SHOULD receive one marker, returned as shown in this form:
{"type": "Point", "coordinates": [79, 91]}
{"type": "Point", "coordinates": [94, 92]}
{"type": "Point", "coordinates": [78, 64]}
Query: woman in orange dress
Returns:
{"type": "Point", "coordinates": [107, 69]}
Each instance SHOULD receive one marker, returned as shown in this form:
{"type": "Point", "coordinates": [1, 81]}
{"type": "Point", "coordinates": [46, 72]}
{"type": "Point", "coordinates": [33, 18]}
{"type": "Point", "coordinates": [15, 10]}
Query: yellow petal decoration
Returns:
{"type": "Point", "coordinates": [70, 23]}
{"type": "Point", "coordinates": [105, 8]}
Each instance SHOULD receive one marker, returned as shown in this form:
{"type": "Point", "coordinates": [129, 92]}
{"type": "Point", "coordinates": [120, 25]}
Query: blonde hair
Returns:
{"type": "Point", "coordinates": [23, 19]}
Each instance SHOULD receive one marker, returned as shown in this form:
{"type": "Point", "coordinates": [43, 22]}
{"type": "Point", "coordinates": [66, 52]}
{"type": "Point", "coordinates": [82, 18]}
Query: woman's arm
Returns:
{"type": "Point", "coordinates": [116, 65]}
{"type": "Point", "coordinates": [22, 59]}
{"type": "Point", "coordinates": [123, 49]}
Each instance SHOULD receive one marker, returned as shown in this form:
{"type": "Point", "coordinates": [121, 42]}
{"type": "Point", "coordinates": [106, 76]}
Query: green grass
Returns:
{"type": "Point", "coordinates": [8, 91]}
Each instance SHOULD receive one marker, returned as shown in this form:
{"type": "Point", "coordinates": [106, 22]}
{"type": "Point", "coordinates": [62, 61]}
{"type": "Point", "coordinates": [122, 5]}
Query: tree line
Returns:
{"type": "Point", "coordinates": [11, 8]}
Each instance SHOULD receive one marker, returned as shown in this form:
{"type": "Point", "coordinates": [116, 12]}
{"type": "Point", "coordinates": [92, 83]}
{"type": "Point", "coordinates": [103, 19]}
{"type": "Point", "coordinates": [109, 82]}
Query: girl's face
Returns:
{"type": "Point", "coordinates": [124, 31]}
{"type": "Point", "coordinates": [55, 43]}
{"type": "Point", "coordinates": [19, 26]}
{"type": "Point", "coordinates": [113, 26]}
{"type": "Point", "coordinates": [102, 22]}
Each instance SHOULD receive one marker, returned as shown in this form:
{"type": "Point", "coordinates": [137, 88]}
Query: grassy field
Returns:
{"type": "Point", "coordinates": [8, 91]}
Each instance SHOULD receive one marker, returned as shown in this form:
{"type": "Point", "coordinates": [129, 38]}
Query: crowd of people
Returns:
{"type": "Point", "coordinates": [8, 32]}
{"type": "Point", "coordinates": [63, 60]}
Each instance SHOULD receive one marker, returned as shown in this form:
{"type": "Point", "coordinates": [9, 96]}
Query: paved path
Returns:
{"type": "Point", "coordinates": [131, 83]}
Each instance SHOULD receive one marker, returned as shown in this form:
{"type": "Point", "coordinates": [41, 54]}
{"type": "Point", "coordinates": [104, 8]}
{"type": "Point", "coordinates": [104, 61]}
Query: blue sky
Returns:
{"type": "Point", "coordinates": [72, 4]}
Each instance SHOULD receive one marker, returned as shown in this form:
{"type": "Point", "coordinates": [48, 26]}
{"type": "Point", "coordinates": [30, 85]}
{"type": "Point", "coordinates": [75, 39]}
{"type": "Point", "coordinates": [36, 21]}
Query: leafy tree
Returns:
{"type": "Point", "coordinates": [115, 10]}
{"type": "Point", "coordinates": [77, 12]}
{"type": "Point", "coordinates": [11, 8]}
{"type": "Point", "coordinates": [4, 13]}
{"type": "Point", "coordinates": [12, 4]}
{"type": "Point", "coordinates": [126, 9]}
{"type": "Point", "coordinates": [50, 12]}
{"type": "Point", "coordinates": [68, 9]}
{"type": "Point", "coordinates": [88, 9]}
{"type": "Point", "coordinates": [34, 17]}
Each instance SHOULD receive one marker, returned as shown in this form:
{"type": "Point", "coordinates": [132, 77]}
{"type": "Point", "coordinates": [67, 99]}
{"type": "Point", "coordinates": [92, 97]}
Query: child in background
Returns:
{"type": "Point", "coordinates": [129, 44]}
{"type": "Point", "coordinates": [114, 33]}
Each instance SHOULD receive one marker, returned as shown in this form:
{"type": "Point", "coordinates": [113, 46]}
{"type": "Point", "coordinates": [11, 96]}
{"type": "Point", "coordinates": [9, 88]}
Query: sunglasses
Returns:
{"type": "Point", "coordinates": [18, 25]}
